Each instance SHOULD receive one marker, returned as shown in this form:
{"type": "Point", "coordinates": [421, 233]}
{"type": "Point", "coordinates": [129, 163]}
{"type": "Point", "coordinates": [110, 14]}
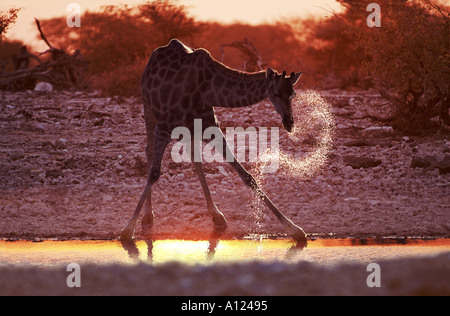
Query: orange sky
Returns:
{"type": "Point", "coordinates": [249, 11]}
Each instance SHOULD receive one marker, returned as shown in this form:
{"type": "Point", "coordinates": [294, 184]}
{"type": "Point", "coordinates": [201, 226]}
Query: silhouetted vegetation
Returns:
{"type": "Point", "coordinates": [8, 48]}
{"type": "Point", "coordinates": [119, 40]}
{"type": "Point", "coordinates": [7, 18]}
{"type": "Point", "coordinates": [61, 70]}
{"type": "Point", "coordinates": [406, 59]}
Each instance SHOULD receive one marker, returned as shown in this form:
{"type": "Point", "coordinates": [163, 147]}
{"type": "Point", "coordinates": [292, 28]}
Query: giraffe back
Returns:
{"type": "Point", "coordinates": [173, 83]}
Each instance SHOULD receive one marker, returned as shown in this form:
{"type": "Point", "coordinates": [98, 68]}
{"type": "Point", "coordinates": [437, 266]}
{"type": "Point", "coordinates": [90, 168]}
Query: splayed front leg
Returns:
{"type": "Point", "coordinates": [295, 231]}
{"type": "Point", "coordinates": [149, 216]}
{"type": "Point", "coordinates": [148, 219]}
{"type": "Point", "coordinates": [127, 232]}
{"type": "Point", "coordinates": [220, 223]}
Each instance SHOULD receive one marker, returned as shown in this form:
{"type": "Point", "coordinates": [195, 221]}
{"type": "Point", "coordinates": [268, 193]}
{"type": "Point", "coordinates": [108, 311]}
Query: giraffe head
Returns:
{"type": "Point", "coordinates": [281, 92]}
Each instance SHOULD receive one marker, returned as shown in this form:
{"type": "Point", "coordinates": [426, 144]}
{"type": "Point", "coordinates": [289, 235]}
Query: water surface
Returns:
{"type": "Point", "coordinates": [323, 251]}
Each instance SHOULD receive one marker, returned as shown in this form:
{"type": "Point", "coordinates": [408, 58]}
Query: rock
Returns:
{"type": "Point", "coordinates": [37, 127]}
{"type": "Point", "coordinates": [17, 155]}
{"type": "Point", "coordinates": [358, 143]}
{"type": "Point", "coordinates": [444, 165]}
{"type": "Point", "coordinates": [53, 173]}
{"type": "Point", "coordinates": [362, 162]}
{"type": "Point", "coordinates": [417, 162]}
{"type": "Point", "coordinates": [60, 144]}
{"type": "Point", "coordinates": [99, 122]}
{"type": "Point", "coordinates": [378, 131]}
{"type": "Point", "coordinates": [43, 87]}
{"type": "Point", "coordinates": [432, 162]}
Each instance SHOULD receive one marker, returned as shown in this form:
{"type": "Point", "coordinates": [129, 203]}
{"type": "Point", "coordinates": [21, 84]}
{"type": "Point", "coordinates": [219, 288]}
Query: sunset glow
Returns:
{"type": "Point", "coordinates": [196, 252]}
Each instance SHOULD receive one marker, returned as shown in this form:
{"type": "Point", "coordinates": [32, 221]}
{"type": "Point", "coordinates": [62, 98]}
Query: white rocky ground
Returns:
{"type": "Point", "coordinates": [72, 166]}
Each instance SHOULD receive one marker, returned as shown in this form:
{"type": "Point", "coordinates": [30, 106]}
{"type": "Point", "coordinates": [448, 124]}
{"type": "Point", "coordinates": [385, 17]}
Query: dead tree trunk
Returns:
{"type": "Point", "coordinates": [63, 70]}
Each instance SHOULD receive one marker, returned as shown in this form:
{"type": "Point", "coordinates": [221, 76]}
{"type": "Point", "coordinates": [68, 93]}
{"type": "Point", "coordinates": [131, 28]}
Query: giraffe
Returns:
{"type": "Point", "coordinates": [179, 85]}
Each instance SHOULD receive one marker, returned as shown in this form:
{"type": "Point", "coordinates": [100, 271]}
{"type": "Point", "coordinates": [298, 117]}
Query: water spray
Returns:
{"type": "Point", "coordinates": [314, 124]}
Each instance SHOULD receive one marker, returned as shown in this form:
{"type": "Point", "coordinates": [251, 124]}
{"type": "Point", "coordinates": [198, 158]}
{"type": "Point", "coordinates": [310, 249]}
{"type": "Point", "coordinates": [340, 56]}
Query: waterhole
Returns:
{"type": "Point", "coordinates": [321, 251]}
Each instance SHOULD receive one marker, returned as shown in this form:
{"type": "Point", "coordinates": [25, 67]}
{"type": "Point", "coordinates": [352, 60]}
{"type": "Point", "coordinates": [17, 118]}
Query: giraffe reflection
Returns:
{"type": "Point", "coordinates": [209, 253]}
{"type": "Point", "coordinates": [130, 246]}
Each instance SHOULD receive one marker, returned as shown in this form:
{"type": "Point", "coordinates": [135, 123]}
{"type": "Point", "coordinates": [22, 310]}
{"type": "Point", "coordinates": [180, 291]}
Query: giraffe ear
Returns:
{"type": "Point", "coordinates": [294, 77]}
{"type": "Point", "coordinates": [270, 74]}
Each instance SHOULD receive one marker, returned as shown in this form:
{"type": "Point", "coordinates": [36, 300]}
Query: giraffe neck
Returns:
{"type": "Point", "coordinates": [231, 88]}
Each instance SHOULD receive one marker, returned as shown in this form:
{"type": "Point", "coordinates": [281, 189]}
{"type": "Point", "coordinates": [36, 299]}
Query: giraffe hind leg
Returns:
{"type": "Point", "coordinates": [150, 124]}
{"type": "Point", "coordinates": [220, 223]}
{"type": "Point", "coordinates": [161, 140]}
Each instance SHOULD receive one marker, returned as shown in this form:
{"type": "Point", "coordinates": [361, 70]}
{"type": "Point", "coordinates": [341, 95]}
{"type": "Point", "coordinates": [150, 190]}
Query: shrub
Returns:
{"type": "Point", "coordinates": [407, 58]}
{"type": "Point", "coordinates": [327, 52]}
{"type": "Point", "coordinates": [119, 39]}
{"type": "Point", "coordinates": [8, 48]}
{"type": "Point", "coordinates": [122, 80]}
{"type": "Point", "coordinates": [7, 18]}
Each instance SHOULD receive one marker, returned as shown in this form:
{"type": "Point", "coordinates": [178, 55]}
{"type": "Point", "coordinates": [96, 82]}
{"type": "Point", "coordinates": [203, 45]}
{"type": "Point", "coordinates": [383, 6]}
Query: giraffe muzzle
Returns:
{"type": "Point", "coordinates": [288, 124]}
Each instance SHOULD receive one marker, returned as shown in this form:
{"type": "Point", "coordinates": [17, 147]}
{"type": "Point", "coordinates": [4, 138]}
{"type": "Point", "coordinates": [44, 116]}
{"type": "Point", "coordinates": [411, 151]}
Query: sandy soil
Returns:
{"type": "Point", "coordinates": [72, 166]}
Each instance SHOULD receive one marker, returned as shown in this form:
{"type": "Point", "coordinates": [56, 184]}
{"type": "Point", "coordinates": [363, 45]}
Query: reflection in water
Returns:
{"type": "Point", "coordinates": [295, 250]}
{"type": "Point", "coordinates": [133, 252]}
{"type": "Point", "coordinates": [215, 250]}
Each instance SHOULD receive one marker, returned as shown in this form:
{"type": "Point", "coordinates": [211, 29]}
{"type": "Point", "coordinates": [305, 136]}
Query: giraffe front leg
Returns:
{"type": "Point", "coordinates": [220, 223]}
{"type": "Point", "coordinates": [149, 216]}
{"type": "Point", "coordinates": [127, 232]}
{"type": "Point", "coordinates": [150, 123]}
{"type": "Point", "coordinates": [295, 231]}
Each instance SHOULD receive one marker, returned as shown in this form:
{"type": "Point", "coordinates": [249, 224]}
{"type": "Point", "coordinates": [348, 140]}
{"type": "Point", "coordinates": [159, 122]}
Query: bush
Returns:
{"type": "Point", "coordinates": [122, 80]}
{"type": "Point", "coordinates": [8, 48]}
{"type": "Point", "coordinates": [119, 40]}
{"type": "Point", "coordinates": [407, 58]}
{"type": "Point", "coordinates": [328, 53]}
{"type": "Point", "coordinates": [275, 43]}
{"type": "Point", "coordinates": [7, 18]}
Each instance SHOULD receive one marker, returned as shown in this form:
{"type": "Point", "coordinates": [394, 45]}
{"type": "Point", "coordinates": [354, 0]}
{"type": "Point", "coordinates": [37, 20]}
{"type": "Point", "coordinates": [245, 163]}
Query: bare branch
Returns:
{"type": "Point", "coordinates": [42, 34]}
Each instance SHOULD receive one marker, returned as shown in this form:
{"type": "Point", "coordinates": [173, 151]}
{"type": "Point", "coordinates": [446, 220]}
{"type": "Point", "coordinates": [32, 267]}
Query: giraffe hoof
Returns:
{"type": "Point", "coordinates": [300, 236]}
{"type": "Point", "coordinates": [126, 234]}
{"type": "Point", "coordinates": [220, 223]}
{"type": "Point", "coordinates": [296, 232]}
